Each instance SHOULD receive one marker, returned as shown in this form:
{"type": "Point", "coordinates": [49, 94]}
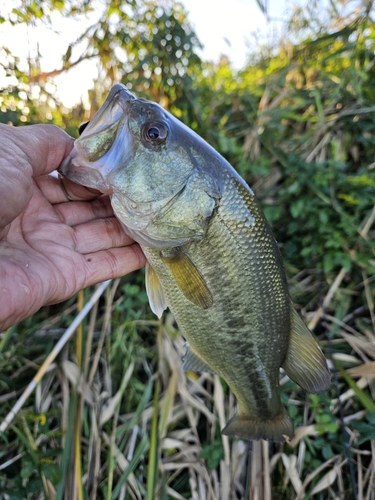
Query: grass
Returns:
{"type": "Point", "coordinates": [115, 417]}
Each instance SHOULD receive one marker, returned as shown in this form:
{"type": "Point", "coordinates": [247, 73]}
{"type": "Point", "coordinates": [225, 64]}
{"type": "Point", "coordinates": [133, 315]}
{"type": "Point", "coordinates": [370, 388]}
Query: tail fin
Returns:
{"type": "Point", "coordinates": [277, 429]}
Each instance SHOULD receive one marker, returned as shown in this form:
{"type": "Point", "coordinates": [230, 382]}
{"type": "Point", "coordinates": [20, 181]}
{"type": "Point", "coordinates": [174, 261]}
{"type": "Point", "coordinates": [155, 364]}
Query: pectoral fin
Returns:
{"type": "Point", "coordinates": [305, 362]}
{"type": "Point", "coordinates": [192, 362]}
{"type": "Point", "coordinates": [155, 293]}
{"type": "Point", "coordinates": [187, 277]}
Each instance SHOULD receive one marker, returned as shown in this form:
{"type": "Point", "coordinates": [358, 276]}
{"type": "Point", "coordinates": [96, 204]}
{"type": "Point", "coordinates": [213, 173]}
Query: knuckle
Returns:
{"type": "Point", "coordinates": [140, 259]}
{"type": "Point", "coordinates": [113, 230]}
{"type": "Point", "coordinates": [112, 262]}
{"type": "Point", "coordinates": [101, 207]}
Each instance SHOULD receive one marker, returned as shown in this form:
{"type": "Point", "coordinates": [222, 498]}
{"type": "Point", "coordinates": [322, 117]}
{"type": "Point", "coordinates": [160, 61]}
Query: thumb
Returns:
{"type": "Point", "coordinates": [44, 146]}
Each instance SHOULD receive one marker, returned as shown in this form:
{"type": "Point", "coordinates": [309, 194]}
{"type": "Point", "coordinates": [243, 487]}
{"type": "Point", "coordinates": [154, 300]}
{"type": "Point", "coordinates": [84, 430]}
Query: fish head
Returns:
{"type": "Point", "coordinates": [144, 158]}
{"type": "Point", "coordinates": [129, 147]}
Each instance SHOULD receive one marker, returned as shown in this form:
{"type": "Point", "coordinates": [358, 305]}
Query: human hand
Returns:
{"type": "Point", "coordinates": [56, 237]}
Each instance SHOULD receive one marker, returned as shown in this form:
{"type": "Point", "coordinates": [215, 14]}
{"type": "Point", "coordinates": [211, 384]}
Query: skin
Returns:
{"type": "Point", "coordinates": [56, 237]}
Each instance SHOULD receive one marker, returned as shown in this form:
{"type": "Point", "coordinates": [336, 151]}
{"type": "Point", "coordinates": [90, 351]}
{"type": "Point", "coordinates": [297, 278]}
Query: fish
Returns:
{"type": "Point", "coordinates": [211, 256]}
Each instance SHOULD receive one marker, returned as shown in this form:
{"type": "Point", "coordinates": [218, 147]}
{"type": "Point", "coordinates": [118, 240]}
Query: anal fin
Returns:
{"type": "Point", "coordinates": [155, 292]}
{"type": "Point", "coordinates": [305, 363]}
{"type": "Point", "coordinates": [192, 362]}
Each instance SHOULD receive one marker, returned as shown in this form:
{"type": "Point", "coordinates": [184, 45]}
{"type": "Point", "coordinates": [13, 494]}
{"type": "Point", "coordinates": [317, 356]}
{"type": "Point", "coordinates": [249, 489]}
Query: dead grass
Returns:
{"type": "Point", "coordinates": [157, 449]}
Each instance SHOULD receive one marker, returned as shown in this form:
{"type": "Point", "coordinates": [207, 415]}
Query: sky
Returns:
{"type": "Point", "coordinates": [223, 27]}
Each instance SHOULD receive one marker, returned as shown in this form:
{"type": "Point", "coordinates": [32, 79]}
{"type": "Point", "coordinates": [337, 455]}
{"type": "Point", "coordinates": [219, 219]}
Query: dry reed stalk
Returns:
{"type": "Point", "coordinates": [327, 299]}
{"type": "Point", "coordinates": [51, 357]}
{"type": "Point", "coordinates": [219, 404]}
{"type": "Point", "coordinates": [312, 475]}
{"type": "Point", "coordinates": [256, 479]}
{"type": "Point", "coordinates": [370, 495]}
{"type": "Point", "coordinates": [104, 331]}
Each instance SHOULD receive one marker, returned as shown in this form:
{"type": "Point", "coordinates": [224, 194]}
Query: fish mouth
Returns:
{"type": "Point", "coordinates": [96, 153]}
{"type": "Point", "coordinates": [114, 107]}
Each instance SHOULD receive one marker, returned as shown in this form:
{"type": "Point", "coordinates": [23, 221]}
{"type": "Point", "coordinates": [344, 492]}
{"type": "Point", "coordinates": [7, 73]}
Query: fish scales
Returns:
{"type": "Point", "coordinates": [211, 256]}
{"type": "Point", "coordinates": [248, 341]}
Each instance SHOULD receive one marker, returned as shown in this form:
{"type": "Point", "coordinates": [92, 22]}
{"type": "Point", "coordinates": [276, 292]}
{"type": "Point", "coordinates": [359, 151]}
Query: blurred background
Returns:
{"type": "Point", "coordinates": [285, 91]}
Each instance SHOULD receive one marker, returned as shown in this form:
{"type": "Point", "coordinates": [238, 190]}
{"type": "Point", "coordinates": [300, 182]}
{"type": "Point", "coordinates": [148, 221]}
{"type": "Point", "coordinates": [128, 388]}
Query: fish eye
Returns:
{"type": "Point", "coordinates": [155, 133]}
{"type": "Point", "coordinates": [82, 127]}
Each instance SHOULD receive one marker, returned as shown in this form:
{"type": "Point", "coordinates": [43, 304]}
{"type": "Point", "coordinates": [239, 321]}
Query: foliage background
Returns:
{"type": "Point", "coordinates": [114, 417]}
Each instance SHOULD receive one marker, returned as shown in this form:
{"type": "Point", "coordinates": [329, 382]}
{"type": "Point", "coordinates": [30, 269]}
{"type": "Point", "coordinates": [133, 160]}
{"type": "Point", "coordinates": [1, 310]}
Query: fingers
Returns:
{"type": "Point", "coordinates": [114, 263]}
{"type": "Point", "coordinates": [99, 234]}
{"type": "Point", "coordinates": [73, 191]}
{"type": "Point", "coordinates": [89, 204]}
{"type": "Point", "coordinates": [58, 189]}
{"type": "Point", "coordinates": [101, 266]}
{"type": "Point", "coordinates": [79, 212]}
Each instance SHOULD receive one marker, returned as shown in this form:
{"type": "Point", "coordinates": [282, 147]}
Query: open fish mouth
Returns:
{"type": "Point", "coordinates": [98, 141]}
{"type": "Point", "coordinates": [114, 108]}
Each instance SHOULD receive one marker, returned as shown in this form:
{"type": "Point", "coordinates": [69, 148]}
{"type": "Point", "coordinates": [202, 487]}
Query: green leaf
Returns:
{"type": "Point", "coordinates": [51, 472]}
{"type": "Point", "coordinates": [364, 399]}
{"type": "Point", "coordinates": [327, 452]}
{"type": "Point", "coordinates": [362, 180]}
{"type": "Point", "coordinates": [366, 431]}
{"type": "Point", "coordinates": [28, 468]}
{"type": "Point", "coordinates": [297, 208]}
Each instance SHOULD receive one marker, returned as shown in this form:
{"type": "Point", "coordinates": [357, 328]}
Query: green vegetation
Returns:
{"type": "Point", "coordinates": [114, 417]}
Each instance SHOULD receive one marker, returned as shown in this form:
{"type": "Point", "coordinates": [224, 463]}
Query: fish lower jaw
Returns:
{"type": "Point", "coordinates": [91, 178]}
{"type": "Point", "coordinates": [148, 241]}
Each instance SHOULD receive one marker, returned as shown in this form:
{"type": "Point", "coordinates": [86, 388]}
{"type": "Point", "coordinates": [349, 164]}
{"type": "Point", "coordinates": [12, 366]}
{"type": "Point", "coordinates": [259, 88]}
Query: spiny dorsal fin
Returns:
{"type": "Point", "coordinates": [192, 362]}
{"type": "Point", "coordinates": [305, 362]}
{"type": "Point", "coordinates": [155, 293]}
{"type": "Point", "coordinates": [187, 277]}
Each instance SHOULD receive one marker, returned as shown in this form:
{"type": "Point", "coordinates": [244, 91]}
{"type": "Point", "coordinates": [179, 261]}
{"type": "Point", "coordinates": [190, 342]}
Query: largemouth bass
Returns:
{"type": "Point", "coordinates": [211, 255]}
